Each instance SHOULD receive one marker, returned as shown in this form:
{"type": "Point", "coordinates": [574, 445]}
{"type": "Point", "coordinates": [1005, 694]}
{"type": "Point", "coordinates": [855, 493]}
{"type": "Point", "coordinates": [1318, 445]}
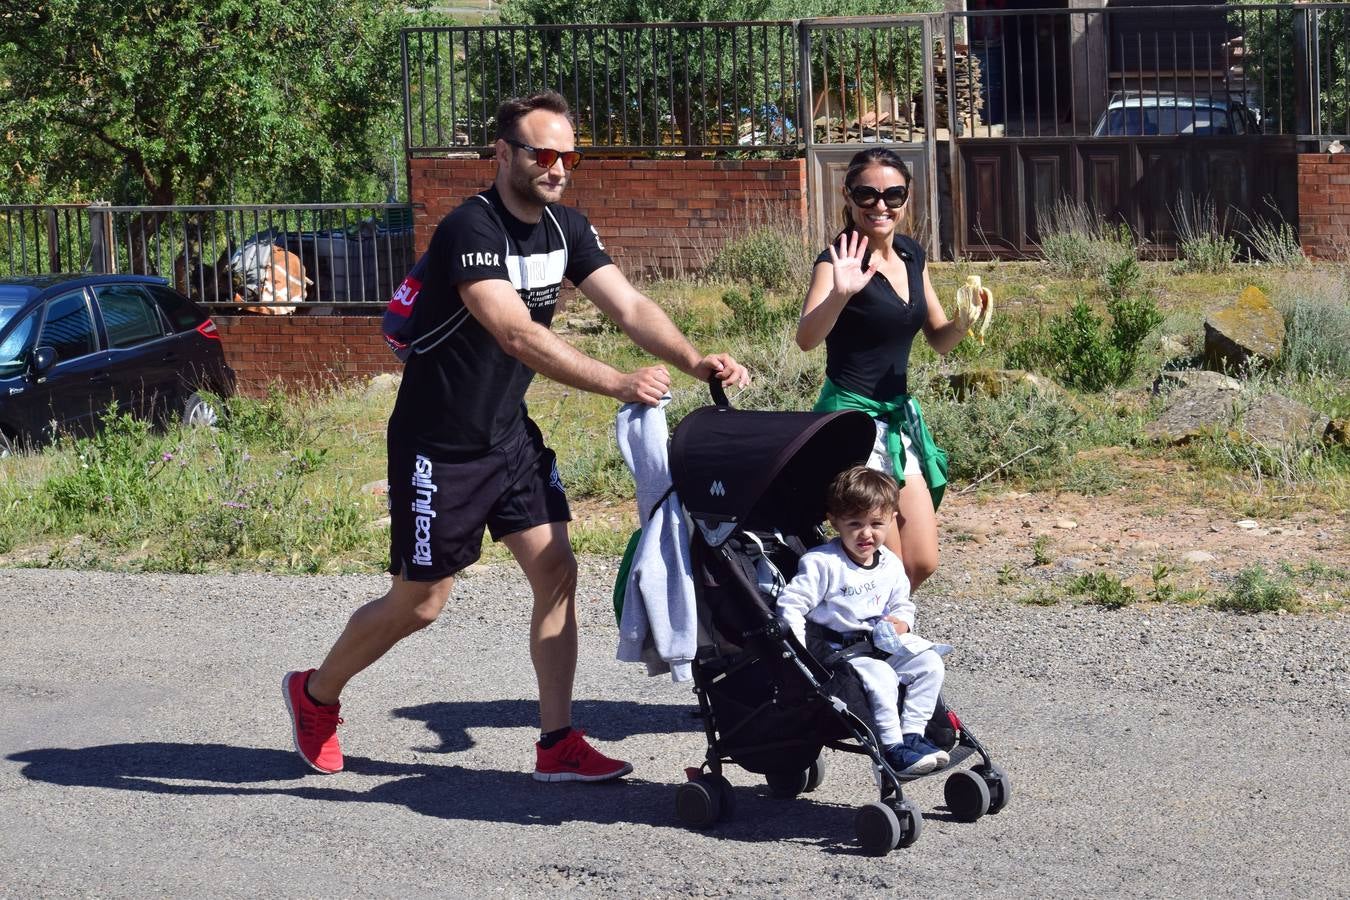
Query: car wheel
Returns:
{"type": "Point", "coordinates": [7, 445]}
{"type": "Point", "coordinates": [198, 411]}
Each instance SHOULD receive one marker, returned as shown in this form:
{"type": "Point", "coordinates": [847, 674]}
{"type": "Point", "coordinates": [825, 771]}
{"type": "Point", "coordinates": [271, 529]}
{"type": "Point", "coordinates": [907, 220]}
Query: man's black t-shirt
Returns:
{"type": "Point", "coordinates": [461, 393]}
{"type": "Point", "coordinates": [867, 350]}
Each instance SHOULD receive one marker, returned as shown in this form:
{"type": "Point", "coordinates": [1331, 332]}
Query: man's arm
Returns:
{"type": "Point", "coordinates": [497, 306]}
{"type": "Point", "coordinates": [639, 317]}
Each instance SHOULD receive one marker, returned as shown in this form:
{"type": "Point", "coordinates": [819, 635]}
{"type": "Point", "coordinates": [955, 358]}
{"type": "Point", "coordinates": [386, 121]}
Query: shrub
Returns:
{"type": "Point", "coordinates": [767, 256]}
{"type": "Point", "coordinates": [1317, 329]}
{"type": "Point", "coordinates": [982, 432]}
{"type": "Point", "coordinates": [754, 316]}
{"type": "Point", "coordinates": [1256, 590]}
{"type": "Point", "coordinates": [1083, 356]}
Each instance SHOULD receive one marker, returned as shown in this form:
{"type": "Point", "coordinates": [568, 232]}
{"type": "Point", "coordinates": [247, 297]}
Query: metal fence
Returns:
{"type": "Point", "coordinates": [1141, 71]}
{"type": "Point", "coordinates": [267, 257]}
{"type": "Point", "coordinates": [43, 238]}
{"type": "Point", "coordinates": [866, 79]}
{"type": "Point", "coordinates": [672, 87]}
{"type": "Point", "coordinates": [721, 87]}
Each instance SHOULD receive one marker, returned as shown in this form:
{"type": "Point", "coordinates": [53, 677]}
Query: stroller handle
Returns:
{"type": "Point", "coordinates": [719, 393]}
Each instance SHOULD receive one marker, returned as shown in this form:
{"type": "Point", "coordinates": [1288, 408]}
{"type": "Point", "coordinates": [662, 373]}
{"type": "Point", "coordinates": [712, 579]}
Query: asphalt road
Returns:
{"type": "Point", "coordinates": [144, 751]}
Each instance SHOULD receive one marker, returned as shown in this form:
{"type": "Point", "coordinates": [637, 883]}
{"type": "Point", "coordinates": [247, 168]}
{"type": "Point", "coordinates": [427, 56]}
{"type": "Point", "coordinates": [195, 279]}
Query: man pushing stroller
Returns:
{"type": "Point", "coordinates": [849, 602]}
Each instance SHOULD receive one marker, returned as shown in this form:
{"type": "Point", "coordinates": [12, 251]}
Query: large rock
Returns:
{"type": "Point", "coordinates": [1197, 401]}
{"type": "Point", "coordinates": [1275, 420]}
{"type": "Point", "coordinates": [993, 382]}
{"type": "Point", "coordinates": [1248, 333]}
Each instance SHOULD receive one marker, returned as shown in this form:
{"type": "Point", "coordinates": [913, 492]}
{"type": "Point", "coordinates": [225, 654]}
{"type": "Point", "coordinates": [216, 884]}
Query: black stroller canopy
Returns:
{"type": "Point", "coordinates": [746, 469]}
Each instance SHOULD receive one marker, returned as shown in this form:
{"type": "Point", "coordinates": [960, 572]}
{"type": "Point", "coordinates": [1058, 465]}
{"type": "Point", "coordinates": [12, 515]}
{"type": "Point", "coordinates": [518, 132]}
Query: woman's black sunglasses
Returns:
{"type": "Point", "coordinates": [893, 197]}
{"type": "Point", "coordinates": [546, 157]}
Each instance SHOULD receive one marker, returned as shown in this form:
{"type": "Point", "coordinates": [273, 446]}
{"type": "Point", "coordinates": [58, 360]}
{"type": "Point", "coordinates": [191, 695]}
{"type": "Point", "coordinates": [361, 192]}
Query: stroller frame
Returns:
{"type": "Point", "coordinates": [751, 635]}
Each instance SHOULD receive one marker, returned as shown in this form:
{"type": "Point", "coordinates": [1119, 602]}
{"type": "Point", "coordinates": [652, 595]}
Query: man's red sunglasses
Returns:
{"type": "Point", "coordinates": [545, 157]}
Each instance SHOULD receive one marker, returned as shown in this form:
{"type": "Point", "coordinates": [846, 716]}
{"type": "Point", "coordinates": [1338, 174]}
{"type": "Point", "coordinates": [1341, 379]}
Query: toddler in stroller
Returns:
{"type": "Point", "coordinates": [754, 486]}
{"type": "Point", "coordinates": [849, 605]}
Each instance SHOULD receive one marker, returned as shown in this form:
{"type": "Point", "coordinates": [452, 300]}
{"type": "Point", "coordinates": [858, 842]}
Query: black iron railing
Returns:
{"type": "Point", "coordinates": [264, 256]}
{"type": "Point", "coordinates": [1139, 71]}
{"type": "Point", "coordinates": [43, 238]}
{"type": "Point", "coordinates": [670, 87]}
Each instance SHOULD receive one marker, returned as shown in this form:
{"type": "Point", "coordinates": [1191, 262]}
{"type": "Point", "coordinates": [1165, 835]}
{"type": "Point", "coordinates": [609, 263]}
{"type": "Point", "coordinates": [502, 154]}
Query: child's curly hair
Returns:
{"type": "Point", "coordinates": [860, 489]}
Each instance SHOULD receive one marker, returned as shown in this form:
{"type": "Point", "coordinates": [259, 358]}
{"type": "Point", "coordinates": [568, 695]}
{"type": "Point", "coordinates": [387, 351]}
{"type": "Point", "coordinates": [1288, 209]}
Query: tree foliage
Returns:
{"type": "Point", "coordinates": [179, 101]}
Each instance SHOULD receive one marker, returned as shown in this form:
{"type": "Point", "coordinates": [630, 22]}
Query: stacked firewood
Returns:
{"type": "Point", "coordinates": [969, 81]}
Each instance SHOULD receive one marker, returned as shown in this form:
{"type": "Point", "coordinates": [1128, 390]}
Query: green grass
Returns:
{"type": "Point", "coordinates": [278, 488]}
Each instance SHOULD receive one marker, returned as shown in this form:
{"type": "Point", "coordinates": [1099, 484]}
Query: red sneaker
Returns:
{"type": "Point", "coordinates": [314, 726]}
{"type": "Point", "coordinates": [572, 759]}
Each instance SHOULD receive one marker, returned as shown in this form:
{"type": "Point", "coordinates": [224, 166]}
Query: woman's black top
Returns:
{"type": "Point", "coordinates": [867, 350]}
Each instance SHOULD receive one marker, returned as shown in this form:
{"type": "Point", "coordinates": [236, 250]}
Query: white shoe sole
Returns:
{"type": "Point", "coordinates": [928, 764]}
{"type": "Point", "coordinates": [577, 776]}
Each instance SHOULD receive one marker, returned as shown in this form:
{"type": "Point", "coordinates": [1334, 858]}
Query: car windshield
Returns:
{"type": "Point", "coordinates": [8, 310]}
{"type": "Point", "coordinates": [1133, 120]}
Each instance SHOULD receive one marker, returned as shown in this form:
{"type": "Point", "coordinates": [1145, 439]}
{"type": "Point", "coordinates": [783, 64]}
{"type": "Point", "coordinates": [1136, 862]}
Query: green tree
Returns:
{"type": "Point", "coordinates": [198, 101]}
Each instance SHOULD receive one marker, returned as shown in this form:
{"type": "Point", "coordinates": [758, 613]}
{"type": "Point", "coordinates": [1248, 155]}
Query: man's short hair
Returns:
{"type": "Point", "coordinates": [860, 489]}
{"type": "Point", "coordinates": [512, 111]}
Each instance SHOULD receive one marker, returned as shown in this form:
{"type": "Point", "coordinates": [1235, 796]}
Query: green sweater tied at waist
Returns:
{"type": "Point", "coordinates": [900, 414]}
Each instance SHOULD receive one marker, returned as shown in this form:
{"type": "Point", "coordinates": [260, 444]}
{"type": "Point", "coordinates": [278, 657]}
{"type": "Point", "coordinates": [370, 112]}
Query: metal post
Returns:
{"type": "Point", "coordinates": [102, 259]}
{"type": "Point", "coordinates": [930, 141]}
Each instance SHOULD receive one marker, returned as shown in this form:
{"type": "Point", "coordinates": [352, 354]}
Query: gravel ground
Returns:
{"type": "Point", "coordinates": [1155, 751]}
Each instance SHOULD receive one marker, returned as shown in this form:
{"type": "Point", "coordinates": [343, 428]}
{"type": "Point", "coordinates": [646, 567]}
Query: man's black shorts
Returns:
{"type": "Point", "coordinates": [438, 509]}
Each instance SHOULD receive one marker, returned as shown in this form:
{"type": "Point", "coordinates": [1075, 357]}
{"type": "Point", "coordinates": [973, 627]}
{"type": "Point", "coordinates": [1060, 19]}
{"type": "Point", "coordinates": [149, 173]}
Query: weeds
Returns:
{"type": "Point", "coordinates": [1040, 551]}
{"type": "Point", "coordinates": [768, 256]}
{"type": "Point", "coordinates": [1076, 241]}
{"type": "Point", "coordinates": [1101, 589]}
{"type": "Point", "coordinates": [1256, 590]}
{"type": "Point", "coordinates": [1317, 329]}
{"type": "Point", "coordinates": [1203, 236]}
{"type": "Point", "coordinates": [754, 315]}
{"type": "Point", "coordinates": [1276, 242]}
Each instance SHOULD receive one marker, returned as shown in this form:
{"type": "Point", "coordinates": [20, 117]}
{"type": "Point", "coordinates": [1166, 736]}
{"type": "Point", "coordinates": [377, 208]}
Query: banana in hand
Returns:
{"type": "Point", "coordinates": [974, 307]}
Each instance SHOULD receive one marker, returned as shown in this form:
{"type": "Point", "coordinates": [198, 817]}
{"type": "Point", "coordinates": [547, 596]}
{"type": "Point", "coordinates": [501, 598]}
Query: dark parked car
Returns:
{"type": "Point", "coordinates": [71, 345]}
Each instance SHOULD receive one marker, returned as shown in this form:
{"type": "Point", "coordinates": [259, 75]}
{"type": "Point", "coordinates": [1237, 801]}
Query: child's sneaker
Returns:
{"type": "Point", "coordinates": [314, 726]}
{"type": "Point", "coordinates": [906, 757]}
{"type": "Point", "coordinates": [572, 759]}
{"type": "Point", "coordinates": [925, 746]}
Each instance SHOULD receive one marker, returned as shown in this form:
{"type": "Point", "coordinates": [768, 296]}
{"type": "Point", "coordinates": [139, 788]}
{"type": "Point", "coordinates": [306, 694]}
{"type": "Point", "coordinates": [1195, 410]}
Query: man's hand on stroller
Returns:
{"type": "Point", "coordinates": [727, 370]}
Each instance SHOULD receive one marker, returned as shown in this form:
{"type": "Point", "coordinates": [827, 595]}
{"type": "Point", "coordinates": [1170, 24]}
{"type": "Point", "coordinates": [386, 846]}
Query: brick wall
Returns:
{"type": "Point", "coordinates": [302, 351]}
{"type": "Point", "coordinates": [663, 215]}
{"type": "Point", "coordinates": [1324, 204]}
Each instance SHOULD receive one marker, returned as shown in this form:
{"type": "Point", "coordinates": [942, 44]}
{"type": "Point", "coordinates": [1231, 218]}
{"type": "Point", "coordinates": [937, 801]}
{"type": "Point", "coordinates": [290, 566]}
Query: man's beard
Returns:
{"type": "Point", "coordinates": [531, 189]}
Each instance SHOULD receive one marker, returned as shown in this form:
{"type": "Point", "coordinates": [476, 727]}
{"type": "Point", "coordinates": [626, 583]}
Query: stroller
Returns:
{"type": "Point", "coordinates": [754, 485]}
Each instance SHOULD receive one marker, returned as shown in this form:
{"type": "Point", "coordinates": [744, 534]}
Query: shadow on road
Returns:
{"type": "Point", "coordinates": [604, 720]}
{"type": "Point", "coordinates": [451, 792]}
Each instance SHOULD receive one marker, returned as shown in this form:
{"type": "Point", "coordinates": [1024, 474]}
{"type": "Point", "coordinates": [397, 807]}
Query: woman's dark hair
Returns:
{"type": "Point", "coordinates": [515, 109]}
{"type": "Point", "coordinates": [865, 159]}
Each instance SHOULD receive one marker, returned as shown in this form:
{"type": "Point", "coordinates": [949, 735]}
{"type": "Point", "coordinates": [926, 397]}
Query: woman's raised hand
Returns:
{"type": "Point", "coordinates": [849, 275]}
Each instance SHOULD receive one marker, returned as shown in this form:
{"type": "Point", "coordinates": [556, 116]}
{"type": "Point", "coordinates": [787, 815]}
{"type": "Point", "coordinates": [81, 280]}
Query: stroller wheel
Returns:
{"type": "Point", "coordinates": [698, 803]}
{"type": "Point", "coordinates": [726, 796]}
{"type": "Point", "coordinates": [815, 774]}
{"type": "Point", "coordinates": [967, 795]}
{"type": "Point", "coordinates": [878, 829]}
{"type": "Point", "coordinates": [911, 822]}
{"type": "Point", "coordinates": [1000, 787]}
{"type": "Point", "coordinates": [786, 785]}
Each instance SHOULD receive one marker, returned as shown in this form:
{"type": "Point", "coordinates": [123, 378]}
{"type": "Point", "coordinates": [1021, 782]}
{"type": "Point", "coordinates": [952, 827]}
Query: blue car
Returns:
{"type": "Point", "coordinates": [74, 346]}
